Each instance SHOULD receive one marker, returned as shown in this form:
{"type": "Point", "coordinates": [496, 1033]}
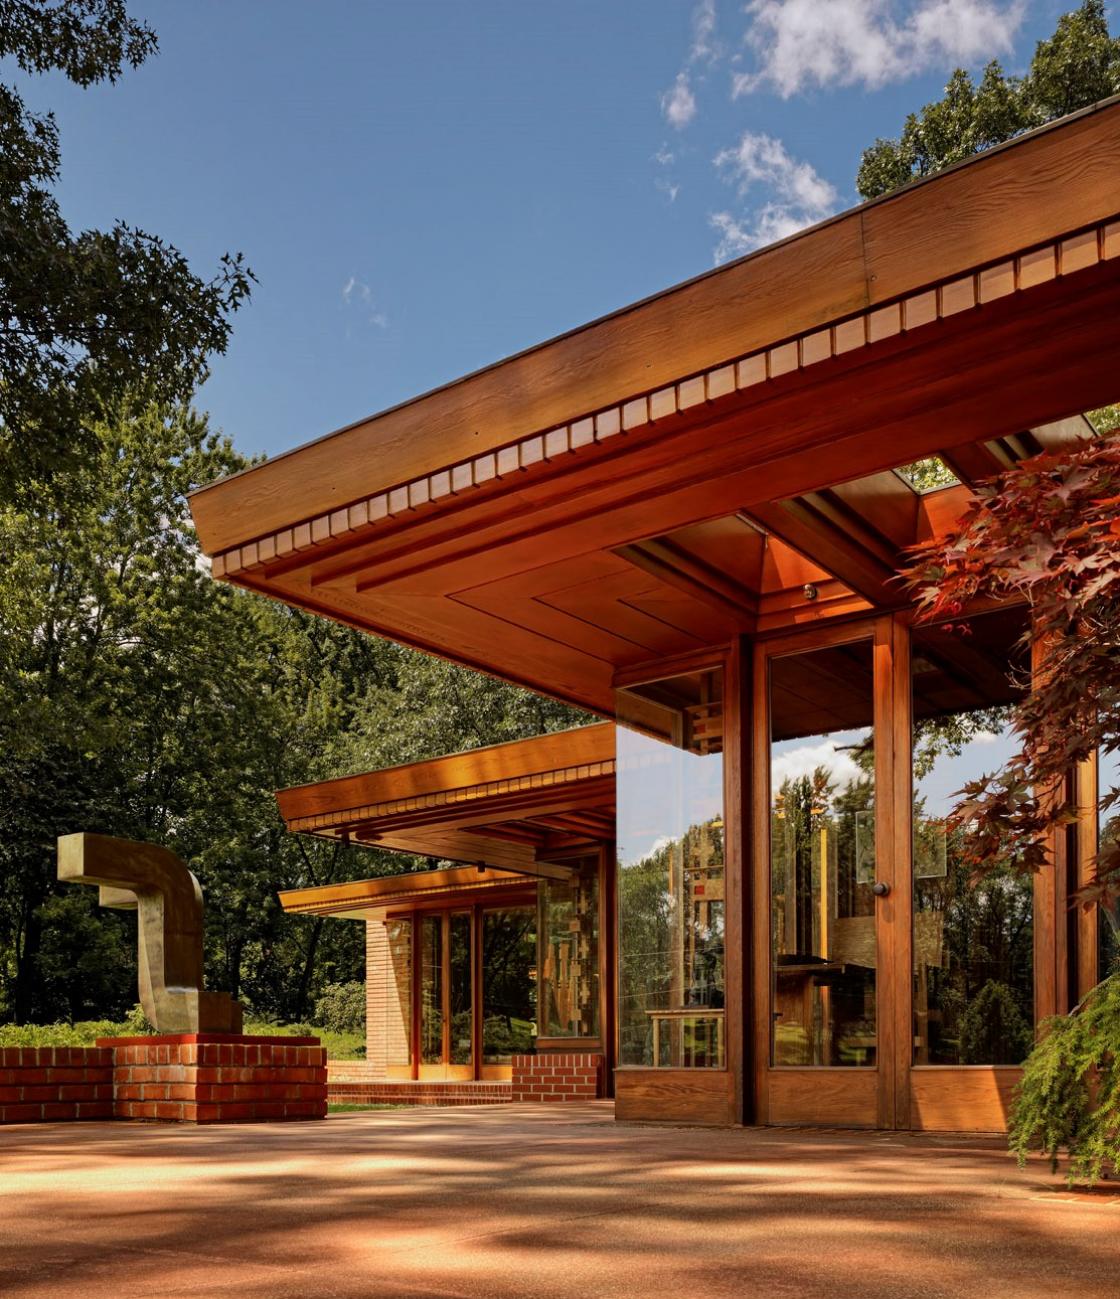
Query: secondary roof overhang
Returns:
{"type": "Point", "coordinates": [679, 472]}
{"type": "Point", "coordinates": [517, 812]}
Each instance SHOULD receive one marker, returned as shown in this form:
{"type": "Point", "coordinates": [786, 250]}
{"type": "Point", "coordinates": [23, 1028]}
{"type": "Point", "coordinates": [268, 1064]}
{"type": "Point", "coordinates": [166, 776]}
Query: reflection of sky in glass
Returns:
{"type": "Point", "coordinates": [792, 759]}
{"type": "Point", "coordinates": [662, 791]}
{"type": "Point", "coordinates": [983, 754]}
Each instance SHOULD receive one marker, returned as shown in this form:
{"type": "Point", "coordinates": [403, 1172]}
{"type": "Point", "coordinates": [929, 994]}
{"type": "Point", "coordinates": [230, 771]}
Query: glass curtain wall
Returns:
{"type": "Point", "coordinates": [460, 989]}
{"type": "Point", "coordinates": [431, 989]}
{"type": "Point", "coordinates": [671, 872]}
{"type": "Point", "coordinates": [973, 943]}
{"type": "Point", "coordinates": [569, 926]}
{"type": "Point", "coordinates": [509, 983]}
{"type": "Point", "coordinates": [822, 857]}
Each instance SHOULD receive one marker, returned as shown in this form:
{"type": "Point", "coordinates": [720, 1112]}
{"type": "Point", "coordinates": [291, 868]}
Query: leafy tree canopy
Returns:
{"type": "Point", "coordinates": [94, 320]}
{"type": "Point", "coordinates": [1077, 66]}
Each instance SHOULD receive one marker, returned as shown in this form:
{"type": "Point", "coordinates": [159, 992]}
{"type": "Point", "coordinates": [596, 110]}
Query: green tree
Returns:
{"type": "Point", "coordinates": [1077, 66]}
{"type": "Point", "coordinates": [92, 319]}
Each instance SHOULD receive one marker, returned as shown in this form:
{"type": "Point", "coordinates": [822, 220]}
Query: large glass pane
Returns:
{"type": "Point", "coordinates": [1108, 921]}
{"type": "Point", "coordinates": [822, 857]}
{"type": "Point", "coordinates": [670, 881]}
{"type": "Point", "coordinates": [973, 943]}
{"type": "Point", "coordinates": [398, 1020]}
{"type": "Point", "coordinates": [570, 954]}
{"type": "Point", "coordinates": [509, 983]}
{"type": "Point", "coordinates": [461, 989]}
{"type": "Point", "coordinates": [431, 990]}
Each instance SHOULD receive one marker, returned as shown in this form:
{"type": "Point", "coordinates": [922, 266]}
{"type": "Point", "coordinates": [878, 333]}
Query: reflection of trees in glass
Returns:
{"type": "Point", "coordinates": [973, 943]}
{"type": "Point", "coordinates": [671, 918]}
{"type": "Point", "coordinates": [824, 944]}
{"type": "Point", "coordinates": [509, 956]}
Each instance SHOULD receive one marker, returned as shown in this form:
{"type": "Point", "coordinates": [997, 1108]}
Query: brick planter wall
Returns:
{"type": "Point", "coordinates": [218, 1078]}
{"type": "Point", "coordinates": [45, 1084]}
{"type": "Point", "coordinates": [557, 1076]}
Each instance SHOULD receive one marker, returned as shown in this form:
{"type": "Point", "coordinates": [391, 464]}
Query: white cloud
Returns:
{"type": "Point", "coordinates": [668, 188]}
{"type": "Point", "coordinates": [678, 103]}
{"type": "Point", "coordinates": [803, 43]}
{"type": "Point", "coordinates": [803, 761]}
{"type": "Point", "coordinates": [357, 292]}
{"type": "Point", "coordinates": [798, 195]}
{"type": "Point", "coordinates": [704, 48]}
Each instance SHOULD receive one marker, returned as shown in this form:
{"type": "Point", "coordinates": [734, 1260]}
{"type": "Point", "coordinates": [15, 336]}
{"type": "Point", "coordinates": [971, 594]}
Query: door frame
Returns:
{"type": "Point", "coordinates": [848, 1096]}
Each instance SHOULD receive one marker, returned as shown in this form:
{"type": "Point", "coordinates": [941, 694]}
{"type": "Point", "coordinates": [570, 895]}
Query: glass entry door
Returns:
{"type": "Point", "coordinates": [824, 882]}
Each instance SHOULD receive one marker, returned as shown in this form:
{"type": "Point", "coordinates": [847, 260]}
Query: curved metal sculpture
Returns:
{"type": "Point", "coordinates": [168, 900]}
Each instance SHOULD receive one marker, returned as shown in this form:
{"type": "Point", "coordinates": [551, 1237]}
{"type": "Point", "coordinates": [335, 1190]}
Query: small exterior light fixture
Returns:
{"type": "Point", "coordinates": [809, 591]}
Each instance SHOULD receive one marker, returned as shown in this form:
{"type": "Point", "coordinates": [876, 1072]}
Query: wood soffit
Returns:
{"type": "Point", "coordinates": [1001, 224]}
{"type": "Point", "coordinates": [361, 899]}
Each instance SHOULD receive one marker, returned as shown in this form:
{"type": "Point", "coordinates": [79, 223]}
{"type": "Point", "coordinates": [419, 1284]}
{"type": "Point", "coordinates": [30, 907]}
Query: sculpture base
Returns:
{"type": "Point", "coordinates": [218, 1078]}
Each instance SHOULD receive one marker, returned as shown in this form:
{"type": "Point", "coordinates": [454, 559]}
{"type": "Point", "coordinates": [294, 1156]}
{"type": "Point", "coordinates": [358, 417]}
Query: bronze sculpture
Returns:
{"type": "Point", "coordinates": [168, 901]}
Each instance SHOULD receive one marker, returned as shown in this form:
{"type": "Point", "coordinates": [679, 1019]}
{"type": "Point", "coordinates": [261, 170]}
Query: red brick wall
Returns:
{"type": "Point", "coordinates": [405, 1092]}
{"type": "Point", "coordinates": [43, 1084]}
{"type": "Point", "coordinates": [557, 1076]}
{"type": "Point", "coordinates": [218, 1078]}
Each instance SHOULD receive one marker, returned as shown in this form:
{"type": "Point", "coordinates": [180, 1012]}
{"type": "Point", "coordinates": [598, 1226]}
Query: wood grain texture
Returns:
{"type": "Point", "coordinates": [698, 1096]}
{"type": "Point", "coordinates": [975, 1098]}
{"type": "Point", "coordinates": [557, 752]}
{"type": "Point", "coordinates": [842, 1098]}
{"type": "Point", "coordinates": [1041, 186]}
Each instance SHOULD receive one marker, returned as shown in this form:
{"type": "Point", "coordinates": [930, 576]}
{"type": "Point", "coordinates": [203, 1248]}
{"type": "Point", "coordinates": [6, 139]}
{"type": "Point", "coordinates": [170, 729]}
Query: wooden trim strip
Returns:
{"type": "Point", "coordinates": [1025, 270]}
{"type": "Point", "coordinates": [452, 797]}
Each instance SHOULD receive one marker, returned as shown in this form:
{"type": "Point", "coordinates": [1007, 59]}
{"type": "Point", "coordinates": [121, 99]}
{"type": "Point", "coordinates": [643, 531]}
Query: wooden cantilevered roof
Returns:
{"type": "Point", "coordinates": [520, 809]}
{"type": "Point", "coordinates": [682, 470]}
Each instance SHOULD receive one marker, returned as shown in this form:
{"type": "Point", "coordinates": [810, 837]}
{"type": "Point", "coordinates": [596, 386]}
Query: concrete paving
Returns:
{"type": "Point", "coordinates": [536, 1202]}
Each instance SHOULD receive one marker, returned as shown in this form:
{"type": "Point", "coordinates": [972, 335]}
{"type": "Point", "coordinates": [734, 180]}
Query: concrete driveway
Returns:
{"type": "Point", "coordinates": [536, 1201]}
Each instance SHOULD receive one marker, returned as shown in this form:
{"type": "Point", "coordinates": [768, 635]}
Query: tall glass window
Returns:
{"type": "Point", "coordinates": [509, 988]}
{"type": "Point", "coordinates": [1108, 829]}
{"type": "Point", "coordinates": [671, 872]}
{"type": "Point", "coordinates": [973, 943]}
{"type": "Point", "coordinates": [460, 988]}
{"type": "Point", "coordinates": [822, 857]}
{"type": "Point", "coordinates": [431, 989]}
{"type": "Point", "coordinates": [569, 922]}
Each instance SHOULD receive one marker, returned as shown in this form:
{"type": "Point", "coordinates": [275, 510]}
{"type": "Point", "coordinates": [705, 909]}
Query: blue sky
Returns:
{"type": "Point", "coordinates": [424, 186]}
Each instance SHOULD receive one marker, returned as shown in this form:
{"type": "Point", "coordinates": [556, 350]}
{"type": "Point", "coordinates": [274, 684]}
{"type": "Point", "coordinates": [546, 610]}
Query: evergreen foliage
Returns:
{"type": "Point", "coordinates": [1077, 66]}
{"type": "Point", "coordinates": [1069, 1097]}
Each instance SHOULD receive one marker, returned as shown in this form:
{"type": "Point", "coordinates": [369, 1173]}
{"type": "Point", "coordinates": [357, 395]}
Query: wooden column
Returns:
{"type": "Point", "coordinates": [736, 820]}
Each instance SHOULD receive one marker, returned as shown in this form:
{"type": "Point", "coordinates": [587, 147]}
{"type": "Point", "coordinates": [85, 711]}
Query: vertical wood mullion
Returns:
{"type": "Point", "coordinates": [1046, 893]}
{"type": "Point", "coordinates": [885, 908]}
{"type": "Point", "coordinates": [759, 879]}
{"type": "Point", "coordinates": [736, 750]}
{"type": "Point", "coordinates": [901, 970]}
{"type": "Point", "coordinates": [1088, 919]}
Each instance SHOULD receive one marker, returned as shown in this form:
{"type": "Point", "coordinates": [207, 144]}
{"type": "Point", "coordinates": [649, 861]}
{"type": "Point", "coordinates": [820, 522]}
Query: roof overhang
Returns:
{"type": "Point", "coordinates": [378, 898]}
{"type": "Point", "coordinates": [517, 812]}
{"type": "Point", "coordinates": [681, 471]}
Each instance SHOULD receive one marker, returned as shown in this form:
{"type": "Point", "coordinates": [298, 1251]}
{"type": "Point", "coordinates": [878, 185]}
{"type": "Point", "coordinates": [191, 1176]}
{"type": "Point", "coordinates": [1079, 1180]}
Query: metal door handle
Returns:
{"type": "Point", "coordinates": [880, 889]}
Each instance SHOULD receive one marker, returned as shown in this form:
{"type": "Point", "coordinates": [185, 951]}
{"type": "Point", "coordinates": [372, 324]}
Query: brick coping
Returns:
{"type": "Point", "coordinates": [188, 1039]}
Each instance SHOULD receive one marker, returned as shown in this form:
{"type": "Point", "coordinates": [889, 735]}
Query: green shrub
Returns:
{"type": "Point", "coordinates": [341, 1007]}
{"type": "Point", "coordinates": [1069, 1097]}
{"type": "Point", "coordinates": [83, 1033]}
